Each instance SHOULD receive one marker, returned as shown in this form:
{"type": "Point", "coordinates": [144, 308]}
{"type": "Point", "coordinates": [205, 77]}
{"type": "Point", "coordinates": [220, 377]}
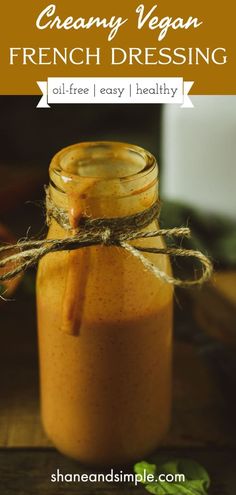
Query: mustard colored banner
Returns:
{"type": "Point", "coordinates": [45, 39]}
{"type": "Point", "coordinates": [115, 90]}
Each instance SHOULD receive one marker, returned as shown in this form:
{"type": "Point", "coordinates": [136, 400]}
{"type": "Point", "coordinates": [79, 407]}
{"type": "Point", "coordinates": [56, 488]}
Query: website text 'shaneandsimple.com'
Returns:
{"type": "Point", "coordinates": [116, 477]}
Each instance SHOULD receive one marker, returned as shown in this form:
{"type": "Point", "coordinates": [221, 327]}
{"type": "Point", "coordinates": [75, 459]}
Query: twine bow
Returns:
{"type": "Point", "coordinates": [118, 231]}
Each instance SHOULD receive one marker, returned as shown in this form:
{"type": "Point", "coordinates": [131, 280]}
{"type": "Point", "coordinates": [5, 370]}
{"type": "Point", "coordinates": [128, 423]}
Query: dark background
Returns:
{"type": "Point", "coordinates": [34, 135]}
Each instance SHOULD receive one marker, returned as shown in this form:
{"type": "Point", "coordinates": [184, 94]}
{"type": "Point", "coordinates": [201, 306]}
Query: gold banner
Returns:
{"type": "Point", "coordinates": [192, 40]}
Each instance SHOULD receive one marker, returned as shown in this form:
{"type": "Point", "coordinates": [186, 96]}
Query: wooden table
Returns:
{"type": "Point", "coordinates": [202, 427]}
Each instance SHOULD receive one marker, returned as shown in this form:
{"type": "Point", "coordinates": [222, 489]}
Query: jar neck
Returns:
{"type": "Point", "coordinates": [103, 179]}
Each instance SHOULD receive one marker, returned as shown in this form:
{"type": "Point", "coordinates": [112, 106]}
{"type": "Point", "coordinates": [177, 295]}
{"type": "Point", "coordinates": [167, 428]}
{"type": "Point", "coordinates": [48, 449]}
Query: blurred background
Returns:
{"type": "Point", "coordinates": [196, 150]}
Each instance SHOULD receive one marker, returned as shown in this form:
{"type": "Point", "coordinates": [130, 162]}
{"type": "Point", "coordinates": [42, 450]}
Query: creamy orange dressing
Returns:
{"type": "Point", "coordinates": [77, 194]}
{"type": "Point", "coordinates": [106, 390]}
{"type": "Point", "coordinates": [76, 272]}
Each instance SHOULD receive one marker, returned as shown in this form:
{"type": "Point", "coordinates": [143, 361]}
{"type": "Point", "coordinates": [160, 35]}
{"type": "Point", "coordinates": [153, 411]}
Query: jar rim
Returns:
{"type": "Point", "coordinates": [63, 162]}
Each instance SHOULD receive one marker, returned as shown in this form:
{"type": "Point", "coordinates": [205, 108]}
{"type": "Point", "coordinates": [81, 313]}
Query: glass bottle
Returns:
{"type": "Point", "coordinates": [104, 321]}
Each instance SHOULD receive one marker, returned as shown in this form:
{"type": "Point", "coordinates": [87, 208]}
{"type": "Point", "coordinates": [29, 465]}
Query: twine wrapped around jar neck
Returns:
{"type": "Point", "coordinates": [118, 231]}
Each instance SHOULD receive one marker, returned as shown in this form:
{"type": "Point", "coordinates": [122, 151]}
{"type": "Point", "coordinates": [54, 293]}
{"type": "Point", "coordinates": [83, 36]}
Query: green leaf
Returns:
{"type": "Point", "coordinates": [155, 488]}
{"type": "Point", "coordinates": [186, 488]}
{"type": "Point", "coordinates": [170, 467]}
{"type": "Point", "coordinates": [196, 481]}
{"type": "Point", "coordinates": [194, 471]}
{"type": "Point", "coordinates": [163, 487]}
{"type": "Point", "coordinates": [144, 467]}
{"type": "Point", "coordinates": [191, 469]}
{"type": "Point", "coordinates": [197, 487]}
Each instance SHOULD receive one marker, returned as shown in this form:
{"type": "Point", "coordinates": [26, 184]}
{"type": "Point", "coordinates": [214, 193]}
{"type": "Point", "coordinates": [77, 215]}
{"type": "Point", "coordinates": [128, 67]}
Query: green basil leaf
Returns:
{"type": "Point", "coordinates": [170, 467]}
{"type": "Point", "coordinates": [144, 466]}
{"type": "Point", "coordinates": [194, 471]}
{"type": "Point", "coordinates": [191, 470]}
{"type": "Point", "coordinates": [166, 488]}
{"type": "Point", "coordinates": [186, 488]}
{"type": "Point", "coordinates": [196, 481]}
{"type": "Point", "coordinates": [197, 487]}
{"type": "Point", "coordinates": [155, 488]}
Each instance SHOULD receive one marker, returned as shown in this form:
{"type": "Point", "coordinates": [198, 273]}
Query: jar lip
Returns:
{"type": "Point", "coordinates": [149, 161]}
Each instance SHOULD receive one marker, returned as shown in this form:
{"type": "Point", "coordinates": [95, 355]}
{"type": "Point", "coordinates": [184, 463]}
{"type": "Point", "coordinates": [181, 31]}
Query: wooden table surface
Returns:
{"type": "Point", "coordinates": [203, 426]}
